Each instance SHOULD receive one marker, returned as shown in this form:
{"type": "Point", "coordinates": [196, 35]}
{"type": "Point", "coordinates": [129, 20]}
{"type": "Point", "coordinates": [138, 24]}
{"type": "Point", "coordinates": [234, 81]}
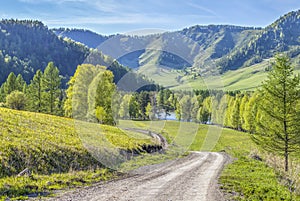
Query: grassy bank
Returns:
{"type": "Point", "coordinates": [58, 152]}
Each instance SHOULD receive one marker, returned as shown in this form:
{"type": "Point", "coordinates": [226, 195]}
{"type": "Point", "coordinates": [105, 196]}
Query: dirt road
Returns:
{"type": "Point", "coordinates": [192, 178]}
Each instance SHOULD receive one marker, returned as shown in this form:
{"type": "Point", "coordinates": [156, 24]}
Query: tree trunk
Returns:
{"type": "Point", "coordinates": [286, 160]}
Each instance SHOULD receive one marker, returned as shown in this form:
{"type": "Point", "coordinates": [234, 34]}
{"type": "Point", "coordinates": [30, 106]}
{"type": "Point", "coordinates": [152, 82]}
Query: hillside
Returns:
{"type": "Point", "coordinates": [281, 36]}
{"type": "Point", "coordinates": [209, 50]}
{"type": "Point", "coordinates": [29, 45]}
{"type": "Point", "coordinates": [66, 154]}
{"type": "Point", "coordinates": [89, 38]}
{"type": "Point", "coordinates": [26, 46]}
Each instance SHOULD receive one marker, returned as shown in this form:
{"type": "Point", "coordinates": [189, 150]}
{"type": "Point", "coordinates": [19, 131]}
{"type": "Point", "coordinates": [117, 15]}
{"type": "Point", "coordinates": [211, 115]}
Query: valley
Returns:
{"type": "Point", "coordinates": [84, 116]}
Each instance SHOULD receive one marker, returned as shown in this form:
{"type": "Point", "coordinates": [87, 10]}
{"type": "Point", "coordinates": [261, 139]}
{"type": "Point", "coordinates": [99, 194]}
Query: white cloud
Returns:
{"type": "Point", "coordinates": [207, 10]}
{"type": "Point", "coordinates": [124, 19]}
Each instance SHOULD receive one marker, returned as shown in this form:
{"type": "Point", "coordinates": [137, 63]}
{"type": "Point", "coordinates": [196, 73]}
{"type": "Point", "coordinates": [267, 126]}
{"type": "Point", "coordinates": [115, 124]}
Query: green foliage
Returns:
{"type": "Point", "coordinates": [51, 83]}
{"type": "Point", "coordinates": [250, 114]}
{"type": "Point", "coordinates": [16, 100]}
{"type": "Point", "coordinates": [10, 84]}
{"type": "Point", "coordinates": [29, 45]}
{"type": "Point", "coordinates": [279, 121]}
{"type": "Point", "coordinates": [77, 104]}
{"type": "Point", "coordinates": [185, 104]}
{"type": "Point", "coordinates": [20, 83]}
{"type": "Point", "coordinates": [124, 107]}
{"type": "Point", "coordinates": [103, 99]}
{"type": "Point", "coordinates": [134, 111]}
{"type": "Point", "coordinates": [150, 113]}
{"type": "Point", "coordinates": [235, 114]}
{"type": "Point", "coordinates": [35, 91]}
{"type": "Point", "coordinates": [101, 114]}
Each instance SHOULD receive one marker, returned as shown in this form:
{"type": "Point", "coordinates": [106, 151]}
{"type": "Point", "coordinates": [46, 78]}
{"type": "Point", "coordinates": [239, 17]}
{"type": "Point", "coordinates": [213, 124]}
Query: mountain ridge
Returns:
{"type": "Point", "coordinates": [230, 47]}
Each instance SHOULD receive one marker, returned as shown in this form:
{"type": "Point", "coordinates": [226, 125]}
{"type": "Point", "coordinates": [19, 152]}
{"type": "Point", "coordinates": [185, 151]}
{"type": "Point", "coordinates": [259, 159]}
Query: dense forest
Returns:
{"type": "Point", "coordinates": [42, 46]}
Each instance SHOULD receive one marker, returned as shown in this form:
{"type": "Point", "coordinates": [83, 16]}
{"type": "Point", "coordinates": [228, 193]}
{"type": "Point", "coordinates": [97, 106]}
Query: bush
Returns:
{"type": "Point", "coordinates": [16, 100]}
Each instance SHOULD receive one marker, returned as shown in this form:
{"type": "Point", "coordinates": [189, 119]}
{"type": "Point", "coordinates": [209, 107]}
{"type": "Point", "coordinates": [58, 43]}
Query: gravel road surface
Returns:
{"type": "Point", "coordinates": [192, 178]}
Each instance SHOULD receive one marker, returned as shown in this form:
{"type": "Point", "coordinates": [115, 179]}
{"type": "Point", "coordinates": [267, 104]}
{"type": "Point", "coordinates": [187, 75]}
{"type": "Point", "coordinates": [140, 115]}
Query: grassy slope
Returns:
{"type": "Point", "coordinates": [52, 148]}
{"type": "Point", "coordinates": [247, 78]}
{"type": "Point", "coordinates": [245, 178]}
{"type": "Point", "coordinates": [242, 79]}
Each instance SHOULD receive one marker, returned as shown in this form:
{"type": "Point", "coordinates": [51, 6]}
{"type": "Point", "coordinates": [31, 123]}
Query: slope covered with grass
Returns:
{"type": "Point", "coordinates": [54, 150]}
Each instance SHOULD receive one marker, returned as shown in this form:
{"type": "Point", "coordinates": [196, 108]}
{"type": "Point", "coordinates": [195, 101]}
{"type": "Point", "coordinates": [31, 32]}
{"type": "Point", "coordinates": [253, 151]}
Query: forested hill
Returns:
{"type": "Point", "coordinates": [281, 36]}
{"type": "Point", "coordinates": [89, 38]}
{"type": "Point", "coordinates": [230, 47]}
{"type": "Point", "coordinates": [27, 45]}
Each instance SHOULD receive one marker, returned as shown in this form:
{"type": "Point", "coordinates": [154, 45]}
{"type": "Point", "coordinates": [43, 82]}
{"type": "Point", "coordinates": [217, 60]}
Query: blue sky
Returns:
{"type": "Point", "coordinates": [123, 16]}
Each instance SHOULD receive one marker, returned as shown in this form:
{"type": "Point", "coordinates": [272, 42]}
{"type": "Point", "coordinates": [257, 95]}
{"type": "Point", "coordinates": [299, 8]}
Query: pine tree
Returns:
{"type": "Point", "coordinates": [20, 83]}
{"type": "Point", "coordinates": [2, 93]}
{"type": "Point", "coordinates": [134, 112]}
{"type": "Point", "coordinates": [194, 109]}
{"type": "Point", "coordinates": [221, 112]}
{"type": "Point", "coordinates": [229, 111]}
{"type": "Point", "coordinates": [278, 103]}
{"type": "Point", "coordinates": [10, 84]}
{"type": "Point", "coordinates": [34, 92]}
{"type": "Point", "coordinates": [51, 83]}
{"type": "Point", "coordinates": [150, 111]}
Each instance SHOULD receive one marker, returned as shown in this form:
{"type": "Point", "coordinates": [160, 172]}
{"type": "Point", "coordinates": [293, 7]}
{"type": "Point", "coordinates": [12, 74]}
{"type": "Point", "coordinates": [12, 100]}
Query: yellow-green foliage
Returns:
{"type": "Point", "coordinates": [48, 144]}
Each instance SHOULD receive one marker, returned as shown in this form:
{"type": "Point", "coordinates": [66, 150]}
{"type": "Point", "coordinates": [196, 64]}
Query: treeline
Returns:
{"type": "Point", "coordinates": [94, 95]}
{"type": "Point", "coordinates": [236, 110]}
{"type": "Point", "coordinates": [43, 93]}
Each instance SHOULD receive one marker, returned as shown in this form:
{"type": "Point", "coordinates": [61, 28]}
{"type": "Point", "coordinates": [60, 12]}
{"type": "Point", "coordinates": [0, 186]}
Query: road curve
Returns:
{"type": "Point", "coordinates": [192, 178]}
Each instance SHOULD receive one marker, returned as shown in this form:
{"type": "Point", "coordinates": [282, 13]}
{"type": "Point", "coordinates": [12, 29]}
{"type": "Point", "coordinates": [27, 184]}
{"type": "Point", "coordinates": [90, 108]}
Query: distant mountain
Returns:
{"type": "Point", "coordinates": [227, 47]}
